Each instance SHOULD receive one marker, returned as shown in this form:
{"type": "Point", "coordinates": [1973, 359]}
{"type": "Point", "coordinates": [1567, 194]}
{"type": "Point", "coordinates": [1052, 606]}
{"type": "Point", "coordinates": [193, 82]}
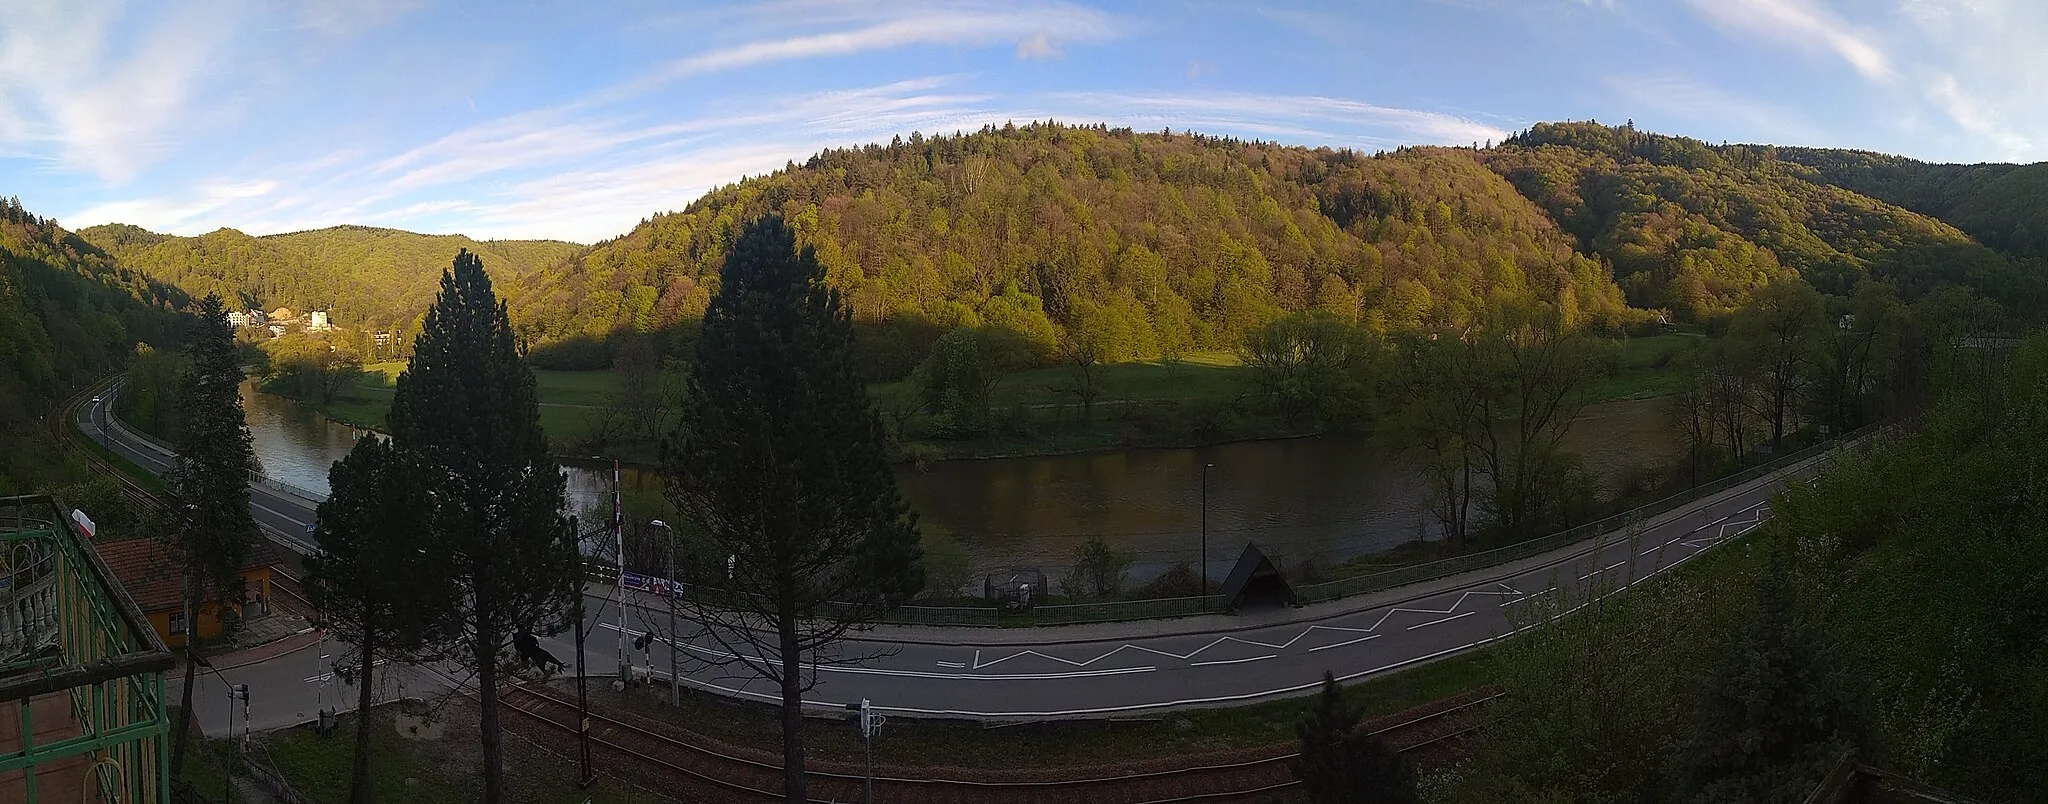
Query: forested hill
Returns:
{"type": "Point", "coordinates": [1156, 242]}
{"type": "Point", "coordinates": [368, 277]}
{"type": "Point", "coordinates": [1160, 242]}
{"type": "Point", "coordinates": [68, 313]}
{"type": "Point", "coordinates": [2005, 206]}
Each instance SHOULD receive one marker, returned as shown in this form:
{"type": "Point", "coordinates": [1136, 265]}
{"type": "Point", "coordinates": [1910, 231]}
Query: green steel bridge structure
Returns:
{"type": "Point", "coordinates": [81, 671]}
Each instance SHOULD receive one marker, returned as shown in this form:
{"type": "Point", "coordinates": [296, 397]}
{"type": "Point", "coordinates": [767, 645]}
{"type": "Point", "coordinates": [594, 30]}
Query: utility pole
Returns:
{"type": "Point", "coordinates": [589, 774]}
{"type": "Point", "coordinates": [675, 681]}
{"type": "Point", "coordinates": [619, 532]}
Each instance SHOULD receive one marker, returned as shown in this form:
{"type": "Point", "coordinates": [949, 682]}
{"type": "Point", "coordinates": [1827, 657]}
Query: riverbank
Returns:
{"type": "Point", "coordinates": [1199, 400]}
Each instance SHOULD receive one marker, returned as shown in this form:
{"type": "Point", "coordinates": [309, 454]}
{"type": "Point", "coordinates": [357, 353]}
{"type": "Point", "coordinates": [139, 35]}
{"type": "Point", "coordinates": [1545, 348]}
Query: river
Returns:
{"type": "Point", "coordinates": [1330, 497]}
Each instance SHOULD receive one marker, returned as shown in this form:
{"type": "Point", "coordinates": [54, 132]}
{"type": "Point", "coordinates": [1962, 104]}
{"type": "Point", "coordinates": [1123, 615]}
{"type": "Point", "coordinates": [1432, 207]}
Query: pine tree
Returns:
{"type": "Point", "coordinates": [212, 531]}
{"type": "Point", "coordinates": [465, 410]}
{"type": "Point", "coordinates": [1769, 721]}
{"type": "Point", "coordinates": [779, 462]}
{"type": "Point", "coordinates": [379, 588]}
{"type": "Point", "coordinates": [1342, 764]}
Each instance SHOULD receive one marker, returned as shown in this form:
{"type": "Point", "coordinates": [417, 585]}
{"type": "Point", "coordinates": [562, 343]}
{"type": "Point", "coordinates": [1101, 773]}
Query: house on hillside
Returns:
{"type": "Point", "coordinates": [257, 317]}
{"type": "Point", "coordinates": [281, 314]}
{"type": "Point", "coordinates": [318, 322]}
{"type": "Point", "coordinates": [238, 319]}
{"type": "Point", "coordinates": [145, 567]}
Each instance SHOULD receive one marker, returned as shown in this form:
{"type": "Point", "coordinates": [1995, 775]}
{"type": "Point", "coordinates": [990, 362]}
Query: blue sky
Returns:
{"type": "Point", "coordinates": [574, 120]}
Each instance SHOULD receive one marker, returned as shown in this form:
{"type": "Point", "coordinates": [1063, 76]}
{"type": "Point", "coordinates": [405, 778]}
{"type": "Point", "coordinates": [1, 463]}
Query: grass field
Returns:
{"type": "Point", "coordinates": [1152, 403]}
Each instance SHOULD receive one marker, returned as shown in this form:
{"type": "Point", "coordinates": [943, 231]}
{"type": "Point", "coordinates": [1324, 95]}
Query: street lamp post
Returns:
{"type": "Point", "coordinates": [1205, 533]}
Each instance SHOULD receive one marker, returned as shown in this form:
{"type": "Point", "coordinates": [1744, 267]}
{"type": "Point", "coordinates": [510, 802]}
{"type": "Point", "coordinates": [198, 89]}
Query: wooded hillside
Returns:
{"type": "Point", "coordinates": [68, 313]}
{"type": "Point", "coordinates": [368, 277]}
{"type": "Point", "coordinates": [1171, 242]}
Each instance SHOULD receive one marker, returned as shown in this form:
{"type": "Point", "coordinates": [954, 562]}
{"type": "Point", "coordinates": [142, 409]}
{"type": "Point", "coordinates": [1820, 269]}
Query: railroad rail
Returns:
{"type": "Point", "coordinates": [671, 763]}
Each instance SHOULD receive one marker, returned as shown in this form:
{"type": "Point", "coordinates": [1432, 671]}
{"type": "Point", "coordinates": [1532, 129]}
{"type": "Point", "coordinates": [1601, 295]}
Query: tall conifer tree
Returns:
{"type": "Point", "coordinates": [212, 531]}
{"type": "Point", "coordinates": [382, 590]}
{"type": "Point", "coordinates": [779, 463]}
{"type": "Point", "coordinates": [465, 410]}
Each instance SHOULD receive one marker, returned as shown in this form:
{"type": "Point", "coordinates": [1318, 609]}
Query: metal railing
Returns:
{"type": "Point", "coordinates": [1123, 610]}
{"type": "Point", "coordinates": [1433, 570]}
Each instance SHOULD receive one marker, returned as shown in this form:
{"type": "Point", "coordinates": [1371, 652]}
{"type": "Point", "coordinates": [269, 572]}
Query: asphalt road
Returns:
{"type": "Point", "coordinates": [1083, 671]}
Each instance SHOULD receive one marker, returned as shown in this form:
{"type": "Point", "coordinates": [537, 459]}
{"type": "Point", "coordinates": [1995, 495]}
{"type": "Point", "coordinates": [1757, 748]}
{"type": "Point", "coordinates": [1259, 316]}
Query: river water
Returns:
{"type": "Point", "coordinates": [1331, 497]}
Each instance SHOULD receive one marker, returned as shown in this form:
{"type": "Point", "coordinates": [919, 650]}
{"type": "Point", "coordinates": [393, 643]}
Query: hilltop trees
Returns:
{"type": "Point", "coordinates": [383, 592]}
{"type": "Point", "coordinates": [465, 412]}
{"type": "Point", "coordinates": [778, 462]}
{"type": "Point", "coordinates": [211, 530]}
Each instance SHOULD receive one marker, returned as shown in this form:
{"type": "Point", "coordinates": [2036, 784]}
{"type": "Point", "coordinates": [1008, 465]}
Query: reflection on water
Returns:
{"type": "Point", "coordinates": [1333, 497]}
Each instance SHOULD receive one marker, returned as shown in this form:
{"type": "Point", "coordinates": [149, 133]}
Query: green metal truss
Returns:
{"type": "Point", "coordinates": [68, 628]}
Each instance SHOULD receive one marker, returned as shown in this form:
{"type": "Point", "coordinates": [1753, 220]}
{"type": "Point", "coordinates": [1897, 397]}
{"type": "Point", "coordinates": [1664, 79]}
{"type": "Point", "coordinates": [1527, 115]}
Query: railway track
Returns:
{"type": "Point", "coordinates": [663, 762]}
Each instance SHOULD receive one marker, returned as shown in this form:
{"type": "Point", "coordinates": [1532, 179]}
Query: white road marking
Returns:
{"type": "Point", "coordinates": [1345, 642]}
{"type": "Point", "coordinates": [1233, 661]}
{"type": "Point", "coordinates": [1444, 620]}
{"type": "Point", "coordinates": [952, 664]}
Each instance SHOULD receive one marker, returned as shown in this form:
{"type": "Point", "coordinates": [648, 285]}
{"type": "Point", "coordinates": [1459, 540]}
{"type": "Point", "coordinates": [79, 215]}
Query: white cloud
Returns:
{"type": "Point", "coordinates": [1975, 115]}
{"type": "Point", "coordinates": [1690, 100]}
{"type": "Point", "coordinates": [1800, 23]}
{"type": "Point", "coordinates": [107, 101]}
{"type": "Point", "coordinates": [1038, 47]}
{"type": "Point", "coordinates": [1336, 121]}
{"type": "Point", "coordinates": [349, 17]}
{"type": "Point", "coordinates": [887, 26]}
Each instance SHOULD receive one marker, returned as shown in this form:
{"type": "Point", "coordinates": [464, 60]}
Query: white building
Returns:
{"type": "Point", "coordinates": [238, 319]}
{"type": "Point", "coordinates": [319, 322]}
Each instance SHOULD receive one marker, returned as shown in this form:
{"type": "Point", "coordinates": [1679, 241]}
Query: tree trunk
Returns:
{"type": "Point", "coordinates": [487, 706]}
{"type": "Point", "coordinates": [792, 716]}
{"type": "Point", "coordinates": [191, 677]}
{"type": "Point", "coordinates": [359, 776]}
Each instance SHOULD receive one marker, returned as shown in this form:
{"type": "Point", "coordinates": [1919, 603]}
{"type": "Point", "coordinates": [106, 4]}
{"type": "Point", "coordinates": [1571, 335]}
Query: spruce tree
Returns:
{"type": "Point", "coordinates": [466, 412]}
{"type": "Point", "coordinates": [381, 590]}
{"type": "Point", "coordinates": [779, 463]}
{"type": "Point", "coordinates": [1341, 763]}
{"type": "Point", "coordinates": [212, 532]}
{"type": "Point", "coordinates": [1770, 719]}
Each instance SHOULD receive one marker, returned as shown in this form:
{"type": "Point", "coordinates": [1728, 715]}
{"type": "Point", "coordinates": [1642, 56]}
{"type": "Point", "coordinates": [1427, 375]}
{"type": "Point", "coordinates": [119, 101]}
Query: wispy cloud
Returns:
{"type": "Point", "coordinates": [888, 26]}
{"type": "Point", "coordinates": [1038, 47]}
{"type": "Point", "coordinates": [1691, 100]}
{"type": "Point", "coordinates": [111, 106]}
{"type": "Point", "coordinates": [1803, 24]}
{"type": "Point", "coordinates": [1337, 121]}
{"type": "Point", "coordinates": [1974, 115]}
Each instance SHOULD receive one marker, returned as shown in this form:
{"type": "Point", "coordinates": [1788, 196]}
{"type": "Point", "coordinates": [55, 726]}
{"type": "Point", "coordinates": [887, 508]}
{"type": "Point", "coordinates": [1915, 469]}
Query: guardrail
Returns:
{"type": "Point", "coordinates": [1120, 610]}
{"type": "Point", "coordinates": [1402, 576]}
{"type": "Point", "coordinates": [164, 448]}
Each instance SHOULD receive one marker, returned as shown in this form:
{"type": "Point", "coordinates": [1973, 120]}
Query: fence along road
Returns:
{"type": "Point", "coordinates": [1112, 669]}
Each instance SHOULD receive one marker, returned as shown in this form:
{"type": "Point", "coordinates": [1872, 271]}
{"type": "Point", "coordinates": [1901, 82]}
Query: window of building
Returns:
{"type": "Point", "coordinates": [177, 622]}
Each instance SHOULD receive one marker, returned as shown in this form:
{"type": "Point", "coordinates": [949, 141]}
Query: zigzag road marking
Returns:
{"type": "Point", "coordinates": [1507, 591]}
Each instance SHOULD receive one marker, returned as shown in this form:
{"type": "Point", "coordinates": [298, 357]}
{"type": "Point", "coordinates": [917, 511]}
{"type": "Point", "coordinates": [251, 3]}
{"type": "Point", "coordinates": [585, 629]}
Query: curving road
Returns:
{"type": "Point", "coordinates": [1119, 668]}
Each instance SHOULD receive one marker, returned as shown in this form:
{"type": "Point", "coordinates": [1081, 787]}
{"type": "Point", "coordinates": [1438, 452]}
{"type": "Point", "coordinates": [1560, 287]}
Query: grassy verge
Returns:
{"type": "Point", "coordinates": [439, 764]}
{"type": "Point", "coordinates": [1193, 401]}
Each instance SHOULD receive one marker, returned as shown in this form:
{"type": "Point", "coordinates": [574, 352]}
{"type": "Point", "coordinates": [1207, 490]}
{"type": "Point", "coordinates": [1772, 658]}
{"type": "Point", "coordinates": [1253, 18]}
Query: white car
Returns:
{"type": "Point", "coordinates": [95, 400]}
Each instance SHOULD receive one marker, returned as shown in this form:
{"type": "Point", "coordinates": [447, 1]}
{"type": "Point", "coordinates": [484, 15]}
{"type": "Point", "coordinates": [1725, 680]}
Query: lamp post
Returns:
{"type": "Point", "coordinates": [1205, 534]}
{"type": "Point", "coordinates": [675, 682]}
